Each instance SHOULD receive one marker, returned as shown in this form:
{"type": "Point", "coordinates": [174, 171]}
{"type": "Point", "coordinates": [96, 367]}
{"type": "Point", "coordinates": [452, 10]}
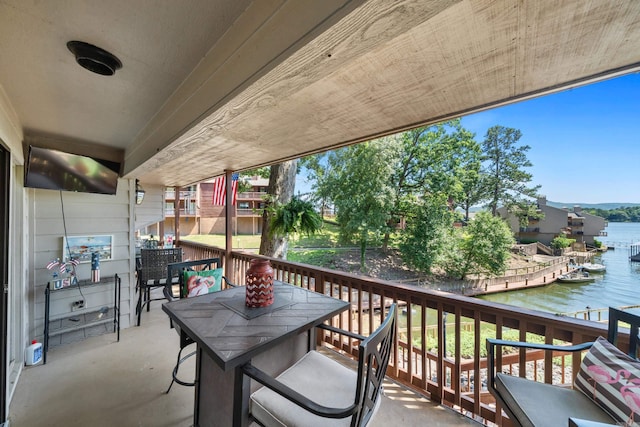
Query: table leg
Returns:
{"type": "Point", "coordinates": [222, 397]}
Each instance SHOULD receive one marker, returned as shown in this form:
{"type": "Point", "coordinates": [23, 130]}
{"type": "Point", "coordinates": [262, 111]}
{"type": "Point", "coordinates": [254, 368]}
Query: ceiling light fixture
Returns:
{"type": "Point", "coordinates": [94, 59]}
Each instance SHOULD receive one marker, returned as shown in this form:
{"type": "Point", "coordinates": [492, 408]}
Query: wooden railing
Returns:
{"type": "Point", "coordinates": [433, 328]}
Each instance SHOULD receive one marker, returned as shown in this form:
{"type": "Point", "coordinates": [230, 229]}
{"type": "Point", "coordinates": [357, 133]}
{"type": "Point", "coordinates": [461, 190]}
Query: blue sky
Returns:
{"type": "Point", "coordinates": [585, 142]}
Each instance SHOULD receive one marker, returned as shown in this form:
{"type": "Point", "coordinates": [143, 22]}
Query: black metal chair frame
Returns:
{"type": "Point", "coordinates": [615, 317]}
{"type": "Point", "coordinates": [374, 353]}
{"type": "Point", "coordinates": [152, 274]}
{"type": "Point", "coordinates": [177, 269]}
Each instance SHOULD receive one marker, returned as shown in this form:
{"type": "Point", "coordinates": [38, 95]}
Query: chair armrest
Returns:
{"type": "Point", "coordinates": [492, 342]}
{"type": "Point", "coordinates": [228, 282]}
{"type": "Point", "coordinates": [295, 397]}
{"type": "Point", "coordinates": [576, 422]}
{"type": "Point", "coordinates": [342, 331]}
{"type": "Point", "coordinates": [491, 353]}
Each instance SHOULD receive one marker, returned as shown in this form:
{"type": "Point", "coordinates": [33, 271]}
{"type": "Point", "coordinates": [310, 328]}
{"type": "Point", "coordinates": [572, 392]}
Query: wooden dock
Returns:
{"type": "Point", "coordinates": [634, 254]}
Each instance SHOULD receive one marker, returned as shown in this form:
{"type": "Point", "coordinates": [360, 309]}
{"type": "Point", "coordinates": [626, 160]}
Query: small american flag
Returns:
{"type": "Point", "coordinates": [52, 264]}
{"type": "Point", "coordinates": [220, 189]}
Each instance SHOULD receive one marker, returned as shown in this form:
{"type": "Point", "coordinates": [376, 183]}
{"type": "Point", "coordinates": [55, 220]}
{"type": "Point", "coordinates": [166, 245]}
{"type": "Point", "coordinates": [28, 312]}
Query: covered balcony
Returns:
{"type": "Point", "coordinates": [428, 379]}
{"type": "Point", "coordinates": [173, 93]}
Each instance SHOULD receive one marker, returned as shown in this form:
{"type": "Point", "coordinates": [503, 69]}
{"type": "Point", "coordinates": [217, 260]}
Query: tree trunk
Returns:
{"type": "Point", "coordinates": [363, 250]}
{"type": "Point", "coordinates": [282, 181]}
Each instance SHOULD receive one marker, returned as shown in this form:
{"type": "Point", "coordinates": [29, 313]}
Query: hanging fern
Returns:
{"type": "Point", "coordinates": [296, 216]}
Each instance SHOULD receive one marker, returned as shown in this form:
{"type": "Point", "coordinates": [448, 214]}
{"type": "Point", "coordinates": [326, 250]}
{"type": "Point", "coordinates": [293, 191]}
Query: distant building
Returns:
{"type": "Point", "coordinates": [198, 214]}
{"type": "Point", "coordinates": [575, 224]}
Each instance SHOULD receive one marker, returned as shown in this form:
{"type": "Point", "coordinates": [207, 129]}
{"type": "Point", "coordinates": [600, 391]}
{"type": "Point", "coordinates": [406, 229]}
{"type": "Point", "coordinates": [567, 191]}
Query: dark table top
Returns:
{"type": "Point", "coordinates": [232, 334]}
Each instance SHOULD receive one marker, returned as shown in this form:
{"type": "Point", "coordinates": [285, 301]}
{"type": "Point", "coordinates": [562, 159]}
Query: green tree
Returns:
{"type": "Point", "coordinates": [432, 161]}
{"type": "Point", "coordinates": [426, 234]}
{"type": "Point", "coordinates": [471, 182]}
{"type": "Point", "coordinates": [483, 248]}
{"type": "Point", "coordinates": [525, 212]}
{"type": "Point", "coordinates": [358, 180]}
{"type": "Point", "coordinates": [504, 164]}
{"type": "Point", "coordinates": [316, 169]}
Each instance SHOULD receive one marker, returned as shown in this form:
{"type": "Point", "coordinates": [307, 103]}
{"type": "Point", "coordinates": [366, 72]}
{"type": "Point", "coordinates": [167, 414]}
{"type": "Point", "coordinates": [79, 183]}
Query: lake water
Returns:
{"type": "Point", "coordinates": [618, 286]}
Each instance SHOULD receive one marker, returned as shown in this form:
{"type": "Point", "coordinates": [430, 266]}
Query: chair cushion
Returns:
{"type": "Point", "coordinates": [612, 379]}
{"type": "Point", "coordinates": [317, 377]}
{"type": "Point", "coordinates": [539, 404]}
{"type": "Point", "coordinates": [202, 282]}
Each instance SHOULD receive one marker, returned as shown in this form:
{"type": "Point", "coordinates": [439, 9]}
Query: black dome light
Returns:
{"type": "Point", "coordinates": [94, 59]}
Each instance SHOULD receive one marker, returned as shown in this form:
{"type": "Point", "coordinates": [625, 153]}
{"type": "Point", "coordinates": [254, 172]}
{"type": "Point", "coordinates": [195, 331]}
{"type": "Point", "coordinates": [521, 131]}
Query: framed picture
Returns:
{"type": "Point", "coordinates": [81, 247]}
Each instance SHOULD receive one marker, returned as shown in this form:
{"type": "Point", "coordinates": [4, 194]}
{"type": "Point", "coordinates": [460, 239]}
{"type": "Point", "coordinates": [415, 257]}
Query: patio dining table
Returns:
{"type": "Point", "coordinates": [228, 334]}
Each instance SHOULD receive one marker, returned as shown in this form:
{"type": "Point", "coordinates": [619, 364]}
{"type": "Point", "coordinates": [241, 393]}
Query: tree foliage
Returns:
{"type": "Point", "coordinates": [434, 160]}
{"type": "Point", "coordinates": [357, 180]}
{"type": "Point", "coordinates": [437, 160]}
{"type": "Point", "coordinates": [526, 211]}
{"type": "Point", "coordinates": [621, 214]}
{"type": "Point", "coordinates": [561, 242]}
{"type": "Point", "coordinates": [483, 247]}
{"type": "Point", "coordinates": [426, 235]}
{"type": "Point", "coordinates": [504, 168]}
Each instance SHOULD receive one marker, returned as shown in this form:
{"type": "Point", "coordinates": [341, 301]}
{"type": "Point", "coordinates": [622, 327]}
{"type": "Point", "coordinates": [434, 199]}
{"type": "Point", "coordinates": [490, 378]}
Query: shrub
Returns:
{"type": "Point", "coordinates": [561, 242]}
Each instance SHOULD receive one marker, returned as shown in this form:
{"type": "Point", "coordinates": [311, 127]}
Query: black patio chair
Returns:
{"type": "Point", "coordinates": [152, 274]}
{"type": "Point", "coordinates": [532, 403]}
{"type": "Point", "coordinates": [177, 270]}
{"type": "Point", "coordinates": [318, 391]}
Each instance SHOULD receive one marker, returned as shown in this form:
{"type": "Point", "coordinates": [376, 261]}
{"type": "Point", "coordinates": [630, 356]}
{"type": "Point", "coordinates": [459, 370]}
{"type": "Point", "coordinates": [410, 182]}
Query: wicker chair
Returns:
{"type": "Point", "coordinates": [152, 273]}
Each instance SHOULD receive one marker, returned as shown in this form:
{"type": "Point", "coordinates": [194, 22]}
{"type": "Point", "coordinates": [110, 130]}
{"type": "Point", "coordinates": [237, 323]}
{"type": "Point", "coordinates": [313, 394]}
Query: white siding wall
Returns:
{"type": "Point", "coordinates": [85, 215]}
{"type": "Point", "coordinates": [151, 211]}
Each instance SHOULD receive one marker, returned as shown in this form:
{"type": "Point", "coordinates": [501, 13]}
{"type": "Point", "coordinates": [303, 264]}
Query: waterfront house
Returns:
{"type": "Point", "coordinates": [178, 92]}
{"type": "Point", "coordinates": [574, 224]}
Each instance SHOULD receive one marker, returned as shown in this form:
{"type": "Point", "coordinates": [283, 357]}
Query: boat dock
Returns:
{"type": "Point", "coordinates": [597, 314]}
{"type": "Point", "coordinates": [634, 254]}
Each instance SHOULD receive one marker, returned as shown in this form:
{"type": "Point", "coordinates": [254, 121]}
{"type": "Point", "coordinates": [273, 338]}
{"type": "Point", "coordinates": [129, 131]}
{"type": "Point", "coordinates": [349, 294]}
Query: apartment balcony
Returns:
{"type": "Point", "coordinates": [431, 380]}
{"type": "Point", "coordinates": [436, 332]}
{"type": "Point", "coordinates": [529, 230]}
{"type": "Point", "coordinates": [184, 194]}
{"type": "Point", "coordinates": [249, 212]}
{"type": "Point", "coordinates": [252, 195]}
{"type": "Point", "coordinates": [170, 212]}
{"type": "Point", "coordinates": [128, 387]}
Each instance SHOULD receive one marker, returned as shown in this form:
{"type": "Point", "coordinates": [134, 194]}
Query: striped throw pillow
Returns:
{"type": "Point", "coordinates": [612, 380]}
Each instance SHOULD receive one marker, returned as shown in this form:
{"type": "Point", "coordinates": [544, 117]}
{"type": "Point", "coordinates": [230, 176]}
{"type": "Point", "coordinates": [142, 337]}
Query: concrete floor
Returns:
{"type": "Point", "coordinates": [101, 382]}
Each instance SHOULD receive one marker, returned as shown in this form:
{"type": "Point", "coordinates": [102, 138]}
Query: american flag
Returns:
{"type": "Point", "coordinates": [52, 264]}
{"type": "Point", "coordinates": [220, 189]}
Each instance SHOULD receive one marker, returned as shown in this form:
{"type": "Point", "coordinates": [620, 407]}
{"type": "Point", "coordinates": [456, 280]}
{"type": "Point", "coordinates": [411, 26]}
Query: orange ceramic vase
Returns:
{"type": "Point", "coordinates": [259, 281]}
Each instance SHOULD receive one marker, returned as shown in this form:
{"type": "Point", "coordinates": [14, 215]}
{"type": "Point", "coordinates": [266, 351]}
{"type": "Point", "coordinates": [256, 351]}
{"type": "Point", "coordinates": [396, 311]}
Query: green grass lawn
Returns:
{"type": "Point", "coordinates": [325, 238]}
{"type": "Point", "coordinates": [318, 249]}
